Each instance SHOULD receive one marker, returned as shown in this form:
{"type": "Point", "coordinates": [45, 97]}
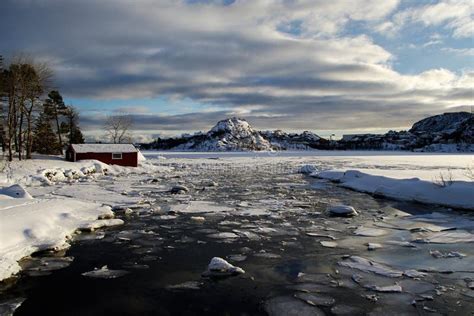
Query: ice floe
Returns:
{"type": "Point", "coordinates": [105, 273]}
{"type": "Point", "coordinates": [219, 267]}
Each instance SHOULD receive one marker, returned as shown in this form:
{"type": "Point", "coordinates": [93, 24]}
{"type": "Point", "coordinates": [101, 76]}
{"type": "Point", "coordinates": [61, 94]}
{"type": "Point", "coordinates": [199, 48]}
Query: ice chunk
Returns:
{"type": "Point", "coordinates": [316, 299]}
{"type": "Point", "coordinates": [342, 210]}
{"type": "Point", "coordinates": [105, 273]}
{"type": "Point", "coordinates": [369, 232]}
{"type": "Point", "coordinates": [198, 219]}
{"type": "Point", "coordinates": [445, 237]}
{"type": "Point", "coordinates": [414, 274]}
{"type": "Point", "coordinates": [452, 254]}
{"type": "Point", "coordinates": [389, 288]}
{"type": "Point", "coordinates": [224, 235]}
{"type": "Point", "coordinates": [328, 244]}
{"type": "Point", "coordinates": [220, 267]}
{"type": "Point", "coordinates": [363, 264]}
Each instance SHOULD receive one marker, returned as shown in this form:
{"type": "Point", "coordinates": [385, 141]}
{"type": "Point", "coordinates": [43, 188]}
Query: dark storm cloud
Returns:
{"type": "Point", "coordinates": [229, 57]}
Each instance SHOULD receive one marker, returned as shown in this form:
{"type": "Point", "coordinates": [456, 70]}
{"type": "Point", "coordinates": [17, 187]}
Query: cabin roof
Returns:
{"type": "Point", "coordinates": [104, 148]}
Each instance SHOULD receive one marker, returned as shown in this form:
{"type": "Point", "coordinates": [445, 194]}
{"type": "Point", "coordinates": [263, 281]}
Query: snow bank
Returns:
{"type": "Point", "coordinates": [51, 169]}
{"type": "Point", "coordinates": [457, 194]}
{"type": "Point", "coordinates": [30, 225]}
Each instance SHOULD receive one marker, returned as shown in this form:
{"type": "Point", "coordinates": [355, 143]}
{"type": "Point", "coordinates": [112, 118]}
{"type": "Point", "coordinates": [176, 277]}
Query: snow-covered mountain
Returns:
{"type": "Point", "coordinates": [293, 141]}
{"type": "Point", "coordinates": [446, 123]}
{"type": "Point", "coordinates": [232, 134]}
{"type": "Point", "coordinates": [446, 132]}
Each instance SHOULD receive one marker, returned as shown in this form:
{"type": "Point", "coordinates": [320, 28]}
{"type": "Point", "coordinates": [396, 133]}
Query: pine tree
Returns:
{"type": "Point", "coordinates": [71, 126]}
{"type": "Point", "coordinates": [76, 136]}
{"type": "Point", "coordinates": [54, 108]}
{"type": "Point", "coordinates": [45, 140]}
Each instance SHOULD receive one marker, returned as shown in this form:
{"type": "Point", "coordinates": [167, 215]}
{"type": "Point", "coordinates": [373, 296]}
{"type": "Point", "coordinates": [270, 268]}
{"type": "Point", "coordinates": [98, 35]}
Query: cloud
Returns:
{"type": "Point", "coordinates": [289, 64]}
{"type": "Point", "coordinates": [454, 15]}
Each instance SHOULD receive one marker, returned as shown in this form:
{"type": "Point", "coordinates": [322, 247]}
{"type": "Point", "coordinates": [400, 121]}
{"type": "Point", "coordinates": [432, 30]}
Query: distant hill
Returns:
{"type": "Point", "coordinates": [450, 132]}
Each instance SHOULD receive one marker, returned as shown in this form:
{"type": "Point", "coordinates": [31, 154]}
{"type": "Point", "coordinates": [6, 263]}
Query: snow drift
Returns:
{"type": "Point", "coordinates": [456, 194]}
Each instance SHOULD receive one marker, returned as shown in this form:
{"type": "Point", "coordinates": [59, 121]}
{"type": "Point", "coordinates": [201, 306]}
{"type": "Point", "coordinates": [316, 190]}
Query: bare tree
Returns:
{"type": "Point", "coordinates": [23, 84]}
{"type": "Point", "coordinates": [117, 128]}
{"type": "Point", "coordinates": [39, 83]}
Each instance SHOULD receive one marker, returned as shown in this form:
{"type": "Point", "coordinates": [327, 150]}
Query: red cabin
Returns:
{"type": "Point", "coordinates": [112, 154]}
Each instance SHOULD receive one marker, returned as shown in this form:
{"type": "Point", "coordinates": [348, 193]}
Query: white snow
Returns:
{"type": "Point", "coordinates": [31, 225]}
{"type": "Point", "coordinates": [457, 194]}
{"type": "Point", "coordinates": [219, 266]}
{"type": "Point", "coordinates": [60, 198]}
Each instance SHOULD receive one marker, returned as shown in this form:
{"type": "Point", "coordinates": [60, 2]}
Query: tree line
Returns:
{"type": "Point", "coordinates": [33, 115]}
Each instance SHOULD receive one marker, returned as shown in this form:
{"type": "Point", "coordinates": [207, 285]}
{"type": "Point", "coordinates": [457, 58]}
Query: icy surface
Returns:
{"type": "Point", "coordinates": [265, 216]}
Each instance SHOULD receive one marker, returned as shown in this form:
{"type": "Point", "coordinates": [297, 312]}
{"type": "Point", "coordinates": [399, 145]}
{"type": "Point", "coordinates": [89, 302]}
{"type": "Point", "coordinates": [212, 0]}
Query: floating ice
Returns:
{"type": "Point", "coordinates": [328, 244]}
{"type": "Point", "coordinates": [389, 288]}
{"type": "Point", "coordinates": [369, 232]}
{"type": "Point", "coordinates": [316, 299]}
{"type": "Point", "coordinates": [219, 267]}
{"type": "Point", "coordinates": [198, 219]}
{"type": "Point", "coordinates": [224, 235]}
{"type": "Point", "coordinates": [452, 254]}
{"type": "Point", "coordinates": [445, 237]}
{"type": "Point", "coordinates": [363, 264]}
{"type": "Point", "coordinates": [105, 273]}
{"type": "Point", "coordinates": [342, 210]}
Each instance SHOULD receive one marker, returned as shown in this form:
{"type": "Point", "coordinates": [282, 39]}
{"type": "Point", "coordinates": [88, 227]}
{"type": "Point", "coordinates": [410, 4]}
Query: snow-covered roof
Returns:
{"type": "Point", "coordinates": [104, 148]}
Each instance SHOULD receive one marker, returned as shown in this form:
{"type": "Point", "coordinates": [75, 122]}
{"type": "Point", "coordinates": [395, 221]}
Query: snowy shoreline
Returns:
{"type": "Point", "coordinates": [455, 194]}
{"type": "Point", "coordinates": [32, 224]}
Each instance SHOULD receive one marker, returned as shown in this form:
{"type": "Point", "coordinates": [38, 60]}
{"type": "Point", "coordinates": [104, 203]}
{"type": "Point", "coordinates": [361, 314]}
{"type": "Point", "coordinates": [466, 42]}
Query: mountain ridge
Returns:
{"type": "Point", "coordinates": [450, 132]}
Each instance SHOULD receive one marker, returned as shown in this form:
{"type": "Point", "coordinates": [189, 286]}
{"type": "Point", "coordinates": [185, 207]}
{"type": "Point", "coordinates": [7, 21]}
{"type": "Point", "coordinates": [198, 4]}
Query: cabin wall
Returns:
{"type": "Point", "coordinates": [128, 159]}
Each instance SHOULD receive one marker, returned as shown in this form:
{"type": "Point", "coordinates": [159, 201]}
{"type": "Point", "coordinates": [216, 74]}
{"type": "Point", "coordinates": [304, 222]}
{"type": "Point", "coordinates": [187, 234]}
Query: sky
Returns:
{"type": "Point", "coordinates": [334, 66]}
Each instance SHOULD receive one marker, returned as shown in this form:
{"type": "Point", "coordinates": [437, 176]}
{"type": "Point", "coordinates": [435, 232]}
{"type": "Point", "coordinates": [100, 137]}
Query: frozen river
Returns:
{"type": "Point", "coordinates": [263, 216]}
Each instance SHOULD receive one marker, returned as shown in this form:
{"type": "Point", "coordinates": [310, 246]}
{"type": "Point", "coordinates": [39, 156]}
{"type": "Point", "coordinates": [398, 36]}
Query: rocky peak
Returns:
{"type": "Point", "coordinates": [235, 126]}
{"type": "Point", "coordinates": [443, 123]}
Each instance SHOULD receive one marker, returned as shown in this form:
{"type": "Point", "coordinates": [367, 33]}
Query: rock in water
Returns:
{"type": "Point", "coordinates": [342, 210]}
{"type": "Point", "coordinates": [218, 267]}
{"type": "Point", "coordinates": [105, 273]}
